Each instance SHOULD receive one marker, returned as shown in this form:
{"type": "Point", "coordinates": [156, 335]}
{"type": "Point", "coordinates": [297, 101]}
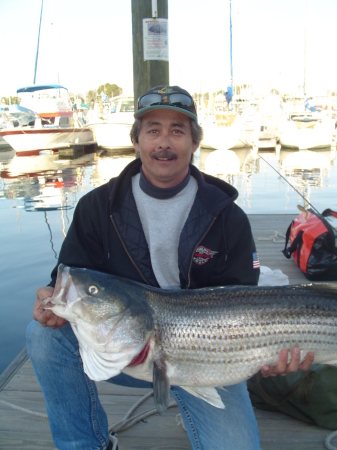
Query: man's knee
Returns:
{"type": "Point", "coordinates": [37, 344]}
{"type": "Point", "coordinates": [45, 343]}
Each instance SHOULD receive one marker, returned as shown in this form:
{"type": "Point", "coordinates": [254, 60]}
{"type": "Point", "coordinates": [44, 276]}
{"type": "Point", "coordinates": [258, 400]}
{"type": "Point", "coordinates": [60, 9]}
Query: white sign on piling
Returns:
{"type": "Point", "coordinates": [155, 39]}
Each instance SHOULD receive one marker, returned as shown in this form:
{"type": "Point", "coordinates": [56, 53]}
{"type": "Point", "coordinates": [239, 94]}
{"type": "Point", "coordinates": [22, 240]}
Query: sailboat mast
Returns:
{"type": "Point", "coordinates": [230, 41]}
{"type": "Point", "coordinates": [38, 44]}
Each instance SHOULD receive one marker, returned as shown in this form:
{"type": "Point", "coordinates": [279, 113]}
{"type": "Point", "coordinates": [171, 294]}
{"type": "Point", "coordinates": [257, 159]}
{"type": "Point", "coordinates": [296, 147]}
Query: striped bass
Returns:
{"type": "Point", "coordinates": [197, 339]}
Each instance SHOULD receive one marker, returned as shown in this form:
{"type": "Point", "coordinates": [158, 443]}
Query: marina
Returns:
{"type": "Point", "coordinates": [21, 397]}
{"type": "Point", "coordinates": [38, 195]}
{"type": "Point", "coordinates": [270, 132]}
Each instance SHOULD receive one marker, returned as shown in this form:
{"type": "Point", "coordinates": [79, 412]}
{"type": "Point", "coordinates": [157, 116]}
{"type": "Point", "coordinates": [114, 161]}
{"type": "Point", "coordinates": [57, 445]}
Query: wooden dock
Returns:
{"type": "Point", "coordinates": [19, 390]}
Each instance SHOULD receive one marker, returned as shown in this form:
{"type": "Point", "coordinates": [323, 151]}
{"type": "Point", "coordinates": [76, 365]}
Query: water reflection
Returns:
{"type": "Point", "coordinates": [233, 166]}
{"type": "Point", "coordinates": [51, 181]}
{"type": "Point", "coordinates": [307, 165]}
{"type": "Point", "coordinates": [225, 164]}
{"type": "Point", "coordinates": [307, 169]}
{"type": "Point", "coordinates": [109, 165]}
{"type": "Point", "coordinates": [46, 181]}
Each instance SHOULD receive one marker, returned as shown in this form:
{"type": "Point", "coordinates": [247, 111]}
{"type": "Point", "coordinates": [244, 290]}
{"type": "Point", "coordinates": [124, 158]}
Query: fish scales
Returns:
{"type": "Point", "coordinates": [245, 330]}
{"type": "Point", "coordinates": [204, 337]}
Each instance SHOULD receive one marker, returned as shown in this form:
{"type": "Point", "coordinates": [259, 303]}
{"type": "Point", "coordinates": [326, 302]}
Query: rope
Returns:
{"type": "Point", "coordinates": [135, 406]}
{"type": "Point", "coordinates": [122, 425]}
{"type": "Point", "coordinates": [274, 238]}
{"type": "Point", "coordinates": [328, 439]}
{"type": "Point", "coordinates": [180, 421]}
{"type": "Point", "coordinates": [28, 411]}
{"type": "Point", "coordinates": [128, 421]}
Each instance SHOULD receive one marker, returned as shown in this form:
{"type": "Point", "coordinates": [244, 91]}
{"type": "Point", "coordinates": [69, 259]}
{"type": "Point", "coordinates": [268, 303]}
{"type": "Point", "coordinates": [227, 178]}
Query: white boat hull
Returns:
{"type": "Point", "coordinates": [240, 133]}
{"type": "Point", "coordinates": [266, 143]}
{"type": "Point", "coordinates": [27, 139]}
{"type": "Point", "coordinates": [320, 136]}
{"type": "Point", "coordinates": [3, 143]}
{"type": "Point", "coordinates": [112, 135]}
{"type": "Point", "coordinates": [217, 137]}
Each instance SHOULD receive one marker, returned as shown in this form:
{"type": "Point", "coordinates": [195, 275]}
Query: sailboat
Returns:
{"type": "Point", "coordinates": [225, 128]}
{"type": "Point", "coordinates": [308, 128]}
{"type": "Point", "coordinates": [44, 119]}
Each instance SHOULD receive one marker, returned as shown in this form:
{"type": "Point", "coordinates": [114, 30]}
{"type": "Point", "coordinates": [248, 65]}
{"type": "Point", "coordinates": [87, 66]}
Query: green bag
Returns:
{"type": "Point", "coordinates": [308, 396]}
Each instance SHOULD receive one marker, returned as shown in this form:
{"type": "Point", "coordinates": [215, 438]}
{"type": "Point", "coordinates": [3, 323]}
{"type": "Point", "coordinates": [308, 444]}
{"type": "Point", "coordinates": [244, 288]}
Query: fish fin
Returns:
{"type": "Point", "coordinates": [161, 386]}
{"type": "Point", "coordinates": [208, 394]}
{"type": "Point", "coordinates": [221, 388]}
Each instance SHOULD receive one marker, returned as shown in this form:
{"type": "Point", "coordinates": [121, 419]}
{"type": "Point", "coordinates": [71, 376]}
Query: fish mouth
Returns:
{"type": "Point", "coordinates": [62, 285]}
{"type": "Point", "coordinates": [62, 282]}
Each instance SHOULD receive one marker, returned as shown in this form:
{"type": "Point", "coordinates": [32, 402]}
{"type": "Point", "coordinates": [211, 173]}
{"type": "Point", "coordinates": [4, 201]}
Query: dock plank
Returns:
{"type": "Point", "coordinates": [18, 386]}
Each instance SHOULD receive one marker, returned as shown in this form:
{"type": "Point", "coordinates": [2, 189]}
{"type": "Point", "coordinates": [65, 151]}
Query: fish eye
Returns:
{"type": "Point", "coordinates": [93, 289]}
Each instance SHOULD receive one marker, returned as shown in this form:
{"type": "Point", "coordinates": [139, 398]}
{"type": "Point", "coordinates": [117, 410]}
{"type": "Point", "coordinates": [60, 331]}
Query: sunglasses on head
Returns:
{"type": "Point", "coordinates": [179, 100]}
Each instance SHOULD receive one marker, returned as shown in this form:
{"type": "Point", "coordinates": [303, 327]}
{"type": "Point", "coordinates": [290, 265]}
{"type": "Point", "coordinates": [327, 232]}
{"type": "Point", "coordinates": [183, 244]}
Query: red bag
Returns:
{"type": "Point", "coordinates": [313, 245]}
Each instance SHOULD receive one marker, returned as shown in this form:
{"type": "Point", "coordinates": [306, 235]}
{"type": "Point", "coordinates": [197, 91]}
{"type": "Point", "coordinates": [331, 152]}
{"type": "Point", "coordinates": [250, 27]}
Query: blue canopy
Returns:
{"type": "Point", "coordinates": [311, 108]}
{"type": "Point", "coordinates": [40, 87]}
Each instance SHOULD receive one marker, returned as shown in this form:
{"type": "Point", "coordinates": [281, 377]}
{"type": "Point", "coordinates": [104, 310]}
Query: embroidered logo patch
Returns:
{"type": "Point", "coordinates": [202, 255]}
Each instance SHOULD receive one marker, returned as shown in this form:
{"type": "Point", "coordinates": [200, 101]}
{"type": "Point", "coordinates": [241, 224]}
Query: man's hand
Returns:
{"type": "Point", "coordinates": [283, 368]}
{"type": "Point", "coordinates": [46, 317]}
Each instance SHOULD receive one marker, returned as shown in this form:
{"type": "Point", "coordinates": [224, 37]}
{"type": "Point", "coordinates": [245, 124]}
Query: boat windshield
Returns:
{"type": "Point", "coordinates": [46, 100]}
{"type": "Point", "coordinates": [125, 106]}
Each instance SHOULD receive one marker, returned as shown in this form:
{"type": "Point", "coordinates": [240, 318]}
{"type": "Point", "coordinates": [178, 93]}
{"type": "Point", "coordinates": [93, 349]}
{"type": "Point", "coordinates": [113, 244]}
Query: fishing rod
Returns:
{"type": "Point", "coordinates": [285, 179]}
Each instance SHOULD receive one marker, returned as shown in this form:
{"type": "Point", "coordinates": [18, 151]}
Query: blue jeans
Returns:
{"type": "Point", "coordinates": [78, 420]}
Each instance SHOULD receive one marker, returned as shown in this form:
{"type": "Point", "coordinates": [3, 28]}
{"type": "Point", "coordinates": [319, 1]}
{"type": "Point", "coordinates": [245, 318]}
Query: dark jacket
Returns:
{"type": "Point", "coordinates": [216, 246]}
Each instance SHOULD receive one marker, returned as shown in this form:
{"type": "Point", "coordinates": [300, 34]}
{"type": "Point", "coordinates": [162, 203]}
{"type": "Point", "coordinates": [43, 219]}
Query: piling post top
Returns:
{"type": "Point", "coordinates": [150, 73]}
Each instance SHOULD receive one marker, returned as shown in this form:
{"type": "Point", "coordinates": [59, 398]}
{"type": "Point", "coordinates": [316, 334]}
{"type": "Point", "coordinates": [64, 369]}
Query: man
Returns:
{"type": "Point", "coordinates": [164, 223]}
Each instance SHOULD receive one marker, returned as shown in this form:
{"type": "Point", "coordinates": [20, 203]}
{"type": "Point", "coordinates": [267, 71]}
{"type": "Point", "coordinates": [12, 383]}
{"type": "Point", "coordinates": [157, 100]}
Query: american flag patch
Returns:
{"type": "Point", "coordinates": [256, 261]}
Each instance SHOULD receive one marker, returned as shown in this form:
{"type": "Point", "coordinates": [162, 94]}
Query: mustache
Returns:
{"type": "Point", "coordinates": [167, 154]}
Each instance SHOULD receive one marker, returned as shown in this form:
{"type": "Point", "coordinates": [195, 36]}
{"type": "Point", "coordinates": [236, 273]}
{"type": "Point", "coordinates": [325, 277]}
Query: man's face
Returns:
{"type": "Point", "coordinates": [165, 147]}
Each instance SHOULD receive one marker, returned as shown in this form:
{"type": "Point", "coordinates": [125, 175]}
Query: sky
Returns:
{"type": "Point", "coordinates": [87, 43]}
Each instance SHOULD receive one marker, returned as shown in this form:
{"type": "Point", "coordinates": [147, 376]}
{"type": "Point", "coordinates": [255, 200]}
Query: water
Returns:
{"type": "Point", "coordinates": [38, 195]}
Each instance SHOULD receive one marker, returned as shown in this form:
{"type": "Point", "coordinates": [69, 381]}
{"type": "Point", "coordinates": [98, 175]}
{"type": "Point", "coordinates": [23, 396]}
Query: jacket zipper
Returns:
{"type": "Point", "coordinates": [195, 248]}
{"type": "Point", "coordinates": [131, 259]}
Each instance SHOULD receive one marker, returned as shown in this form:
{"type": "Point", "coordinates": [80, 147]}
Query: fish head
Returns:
{"type": "Point", "coordinates": [107, 313]}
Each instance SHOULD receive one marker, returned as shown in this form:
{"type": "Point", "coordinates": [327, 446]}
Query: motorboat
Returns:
{"type": "Point", "coordinates": [113, 131]}
{"type": "Point", "coordinates": [44, 119]}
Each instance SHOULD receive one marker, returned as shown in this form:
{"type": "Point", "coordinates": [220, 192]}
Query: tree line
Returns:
{"type": "Point", "coordinates": [110, 90]}
{"type": "Point", "coordinates": [92, 96]}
